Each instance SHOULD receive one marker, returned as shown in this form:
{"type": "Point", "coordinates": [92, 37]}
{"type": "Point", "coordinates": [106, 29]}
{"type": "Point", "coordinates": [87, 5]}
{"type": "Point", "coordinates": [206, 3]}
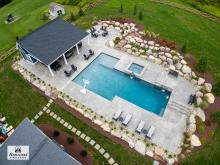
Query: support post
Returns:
{"type": "Point", "coordinates": [77, 48]}
{"type": "Point", "coordinates": [51, 72]}
{"type": "Point", "coordinates": [64, 57]}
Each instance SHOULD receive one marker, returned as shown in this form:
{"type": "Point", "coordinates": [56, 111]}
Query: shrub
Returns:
{"type": "Point", "coordinates": [211, 133]}
{"type": "Point", "coordinates": [44, 17]}
{"type": "Point", "coordinates": [216, 88]}
{"type": "Point", "coordinates": [140, 15]}
{"type": "Point", "coordinates": [201, 129]}
{"type": "Point", "coordinates": [216, 116]}
{"type": "Point", "coordinates": [116, 41]}
{"type": "Point", "coordinates": [184, 48]}
{"type": "Point", "coordinates": [121, 9]}
{"type": "Point", "coordinates": [70, 140]}
{"type": "Point", "coordinates": [203, 140]}
{"type": "Point", "coordinates": [84, 153]}
{"type": "Point", "coordinates": [56, 133]}
{"type": "Point", "coordinates": [81, 12]}
{"type": "Point", "coordinates": [72, 17]}
{"type": "Point", "coordinates": [135, 10]}
{"type": "Point", "coordinates": [204, 105]}
{"type": "Point", "coordinates": [201, 66]}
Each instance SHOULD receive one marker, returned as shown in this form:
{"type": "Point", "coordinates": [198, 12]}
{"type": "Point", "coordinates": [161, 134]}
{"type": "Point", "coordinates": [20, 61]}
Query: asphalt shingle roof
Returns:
{"type": "Point", "coordinates": [51, 40]}
{"type": "Point", "coordinates": [42, 151]}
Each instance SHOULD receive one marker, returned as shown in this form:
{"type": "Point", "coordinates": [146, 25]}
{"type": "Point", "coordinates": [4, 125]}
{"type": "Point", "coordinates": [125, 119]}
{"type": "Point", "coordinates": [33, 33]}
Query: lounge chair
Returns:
{"type": "Point", "coordinates": [67, 73]}
{"type": "Point", "coordinates": [117, 115]}
{"type": "Point", "coordinates": [86, 57]}
{"type": "Point", "coordinates": [140, 126]}
{"type": "Point", "coordinates": [151, 131]}
{"type": "Point", "coordinates": [127, 119]}
{"type": "Point", "coordinates": [74, 68]}
{"type": "Point", "coordinates": [91, 52]}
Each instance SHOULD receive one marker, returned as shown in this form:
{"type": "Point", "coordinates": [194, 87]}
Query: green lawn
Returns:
{"type": "Point", "coordinates": [201, 34]}
{"type": "Point", "coordinates": [17, 99]}
{"type": "Point", "coordinates": [120, 154]}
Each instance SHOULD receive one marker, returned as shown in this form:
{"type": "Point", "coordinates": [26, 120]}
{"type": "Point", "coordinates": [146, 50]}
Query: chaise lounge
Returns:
{"type": "Point", "coordinates": [140, 126]}
{"type": "Point", "coordinates": [151, 132]}
{"type": "Point", "coordinates": [127, 119]}
{"type": "Point", "coordinates": [117, 115]}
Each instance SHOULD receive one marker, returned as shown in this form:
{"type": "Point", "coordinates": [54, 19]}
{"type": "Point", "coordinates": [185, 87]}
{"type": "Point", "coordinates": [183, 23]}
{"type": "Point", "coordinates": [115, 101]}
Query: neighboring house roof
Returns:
{"type": "Point", "coordinates": [51, 40]}
{"type": "Point", "coordinates": [53, 6]}
{"type": "Point", "coordinates": [42, 150]}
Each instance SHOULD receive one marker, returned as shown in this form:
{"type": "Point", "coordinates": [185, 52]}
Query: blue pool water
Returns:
{"type": "Point", "coordinates": [108, 82]}
{"type": "Point", "coordinates": [135, 68]}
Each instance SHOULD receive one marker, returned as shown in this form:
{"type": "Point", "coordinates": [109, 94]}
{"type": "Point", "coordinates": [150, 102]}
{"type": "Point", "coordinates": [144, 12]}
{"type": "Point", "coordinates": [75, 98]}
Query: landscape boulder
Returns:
{"type": "Point", "coordinates": [208, 87]}
{"type": "Point", "coordinates": [111, 44]}
{"type": "Point", "coordinates": [195, 141]}
{"type": "Point", "coordinates": [201, 81]}
{"type": "Point", "coordinates": [210, 98]}
{"type": "Point", "coordinates": [186, 69]}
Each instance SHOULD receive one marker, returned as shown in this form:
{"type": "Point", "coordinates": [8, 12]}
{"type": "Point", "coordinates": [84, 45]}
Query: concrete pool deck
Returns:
{"type": "Point", "coordinates": [169, 127]}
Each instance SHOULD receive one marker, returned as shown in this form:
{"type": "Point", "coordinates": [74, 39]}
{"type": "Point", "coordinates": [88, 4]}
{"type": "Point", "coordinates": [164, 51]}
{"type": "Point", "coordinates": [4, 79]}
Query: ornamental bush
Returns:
{"type": "Point", "coordinates": [202, 64]}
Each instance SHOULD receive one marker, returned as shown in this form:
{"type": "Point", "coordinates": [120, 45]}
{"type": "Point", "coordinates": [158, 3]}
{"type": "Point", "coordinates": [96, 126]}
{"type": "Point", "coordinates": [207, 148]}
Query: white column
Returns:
{"type": "Point", "coordinates": [51, 72]}
{"type": "Point", "coordinates": [77, 48]}
{"type": "Point", "coordinates": [64, 57]}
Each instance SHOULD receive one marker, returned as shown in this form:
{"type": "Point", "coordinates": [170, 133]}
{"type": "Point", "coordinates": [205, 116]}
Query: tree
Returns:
{"type": "Point", "coordinates": [216, 88]}
{"type": "Point", "coordinates": [135, 10]}
{"type": "Point", "coordinates": [121, 9]}
{"type": "Point", "coordinates": [81, 12]}
{"type": "Point", "coordinates": [202, 64]}
{"type": "Point", "coordinates": [140, 15]}
{"type": "Point", "coordinates": [184, 48]}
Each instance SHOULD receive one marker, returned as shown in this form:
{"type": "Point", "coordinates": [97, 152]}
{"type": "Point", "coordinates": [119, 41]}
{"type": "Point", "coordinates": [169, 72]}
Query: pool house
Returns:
{"type": "Point", "coordinates": [51, 42]}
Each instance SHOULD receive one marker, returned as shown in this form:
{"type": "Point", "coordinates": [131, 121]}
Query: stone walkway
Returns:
{"type": "Point", "coordinates": [80, 134]}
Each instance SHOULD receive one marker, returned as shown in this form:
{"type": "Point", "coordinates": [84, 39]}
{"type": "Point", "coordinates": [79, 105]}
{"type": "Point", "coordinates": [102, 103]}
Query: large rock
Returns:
{"type": "Point", "coordinates": [150, 153]}
{"type": "Point", "coordinates": [129, 51]}
{"type": "Point", "coordinates": [183, 62]}
{"type": "Point", "coordinates": [192, 119]}
{"type": "Point", "coordinates": [198, 101]}
{"type": "Point", "coordinates": [168, 55]}
{"type": "Point", "coordinates": [158, 61]}
{"type": "Point", "coordinates": [151, 58]}
{"type": "Point", "coordinates": [140, 147]}
{"type": "Point", "coordinates": [179, 66]}
{"type": "Point", "coordinates": [201, 81]}
{"type": "Point", "coordinates": [128, 46]}
{"type": "Point", "coordinates": [159, 151]}
{"type": "Point", "coordinates": [195, 141]}
{"type": "Point", "coordinates": [191, 128]}
{"type": "Point", "coordinates": [111, 44]}
{"type": "Point", "coordinates": [208, 87]}
{"type": "Point", "coordinates": [117, 24]}
{"type": "Point", "coordinates": [151, 43]}
{"type": "Point", "coordinates": [200, 113]}
{"type": "Point", "coordinates": [138, 39]}
{"type": "Point", "coordinates": [132, 40]}
{"type": "Point", "coordinates": [199, 94]}
{"type": "Point", "coordinates": [210, 98]}
{"type": "Point", "coordinates": [186, 69]}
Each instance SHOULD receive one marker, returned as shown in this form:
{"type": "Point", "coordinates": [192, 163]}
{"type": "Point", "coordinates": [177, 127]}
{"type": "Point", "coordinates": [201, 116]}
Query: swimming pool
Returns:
{"type": "Point", "coordinates": [108, 82]}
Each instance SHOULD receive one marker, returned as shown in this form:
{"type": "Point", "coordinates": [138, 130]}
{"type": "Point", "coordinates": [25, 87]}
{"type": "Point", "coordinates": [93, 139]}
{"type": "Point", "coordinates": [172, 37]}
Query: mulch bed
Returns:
{"type": "Point", "coordinates": [73, 149]}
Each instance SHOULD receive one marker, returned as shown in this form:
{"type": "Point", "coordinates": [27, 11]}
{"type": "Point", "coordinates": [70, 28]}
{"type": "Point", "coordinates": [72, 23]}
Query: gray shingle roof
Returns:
{"type": "Point", "coordinates": [42, 150]}
{"type": "Point", "coordinates": [49, 41]}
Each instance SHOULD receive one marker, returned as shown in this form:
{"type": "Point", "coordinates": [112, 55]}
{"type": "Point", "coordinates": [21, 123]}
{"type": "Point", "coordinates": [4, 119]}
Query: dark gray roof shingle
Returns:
{"type": "Point", "coordinates": [49, 41]}
{"type": "Point", "coordinates": [42, 151]}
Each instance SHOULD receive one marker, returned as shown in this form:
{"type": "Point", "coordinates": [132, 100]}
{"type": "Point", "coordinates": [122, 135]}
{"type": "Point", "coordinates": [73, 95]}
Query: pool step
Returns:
{"type": "Point", "coordinates": [180, 107]}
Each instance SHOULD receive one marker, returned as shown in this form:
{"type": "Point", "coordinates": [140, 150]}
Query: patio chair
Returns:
{"type": "Point", "coordinates": [74, 68]}
{"type": "Point", "coordinates": [117, 115]}
{"type": "Point", "coordinates": [105, 33]}
{"type": "Point", "coordinates": [94, 35]}
{"type": "Point", "coordinates": [67, 73]}
{"type": "Point", "coordinates": [151, 132]}
{"type": "Point", "coordinates": [192, 99]}
{"type": "Point", "coordinates": [85, 57]}
{"type": "Point", "coordinates": [173, 73]}
{"type": "Point", "coordinates": [91, 52]}
{"type": "Point", "coordinates": [127, 119]}
{"type": "Point", "coordinates": [140, 126]}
